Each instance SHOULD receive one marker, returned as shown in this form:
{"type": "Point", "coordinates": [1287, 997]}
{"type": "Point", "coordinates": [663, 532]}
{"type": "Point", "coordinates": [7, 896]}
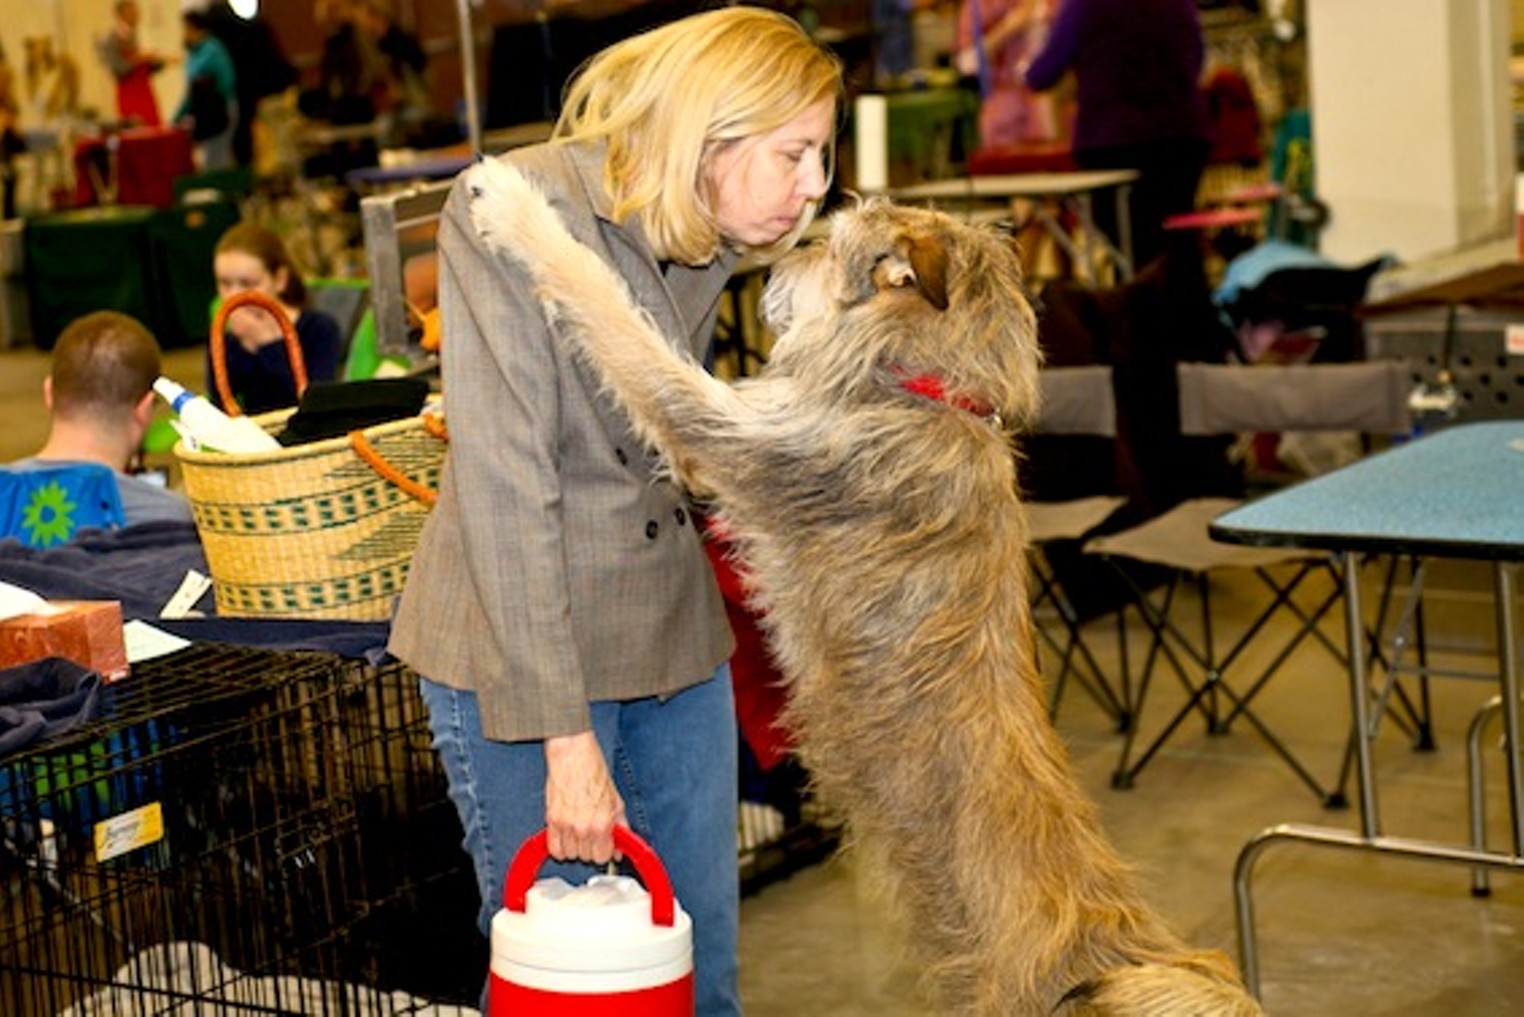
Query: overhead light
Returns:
{"type": "Point", "coordinates": [245, 9]}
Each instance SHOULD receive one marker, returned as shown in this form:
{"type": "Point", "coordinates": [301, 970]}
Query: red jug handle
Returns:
{"type": "Point", "coordinates": [534, 851]}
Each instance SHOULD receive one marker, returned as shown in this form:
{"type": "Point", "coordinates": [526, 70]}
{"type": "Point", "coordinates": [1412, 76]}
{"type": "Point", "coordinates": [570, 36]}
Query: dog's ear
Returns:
{"type": "Point", "coordinates": [919, 261]}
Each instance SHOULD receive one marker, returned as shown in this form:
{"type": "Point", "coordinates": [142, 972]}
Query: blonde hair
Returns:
{"type": "Point", "coordinates": [667, 100]}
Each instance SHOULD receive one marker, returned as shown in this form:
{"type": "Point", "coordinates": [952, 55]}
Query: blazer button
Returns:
{"type": "Point", "coordinates": [680, 515]}
{"type": "Point", "coordinates": [651, 529]}
{"type": "Point", "coordinates": [624, 460]}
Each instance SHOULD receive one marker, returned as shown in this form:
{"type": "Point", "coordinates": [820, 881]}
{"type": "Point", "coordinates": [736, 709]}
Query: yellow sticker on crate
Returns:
{"type": "Point", "coordinates": [129, 831]}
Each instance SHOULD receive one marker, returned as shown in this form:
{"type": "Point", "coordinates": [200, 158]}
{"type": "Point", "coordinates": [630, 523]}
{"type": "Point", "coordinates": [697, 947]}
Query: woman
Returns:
{"type": "Point", "coordinates": [209, 109]}
{"type": "Point", "coordinates": [1009, 31]}
{"type": "Point", "coordinates": [250, 257]}
{"type": "Point", "coordinates": [1137, 68]}
{"type": "Point", "coordinates": [560, 608]}
{"type": "Point", "coordinates": [132, 67]}
{"type": "Point", "coordinates": [11, 143]}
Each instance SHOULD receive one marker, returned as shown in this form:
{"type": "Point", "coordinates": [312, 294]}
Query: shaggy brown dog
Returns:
{"type": "Point", "coordinates": [870, 487]}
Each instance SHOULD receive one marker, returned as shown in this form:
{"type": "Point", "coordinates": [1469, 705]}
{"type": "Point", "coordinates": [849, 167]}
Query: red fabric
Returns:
{"type": "Point", "coordinates": [135, 99]}
{"type": "Point", "coordinates": [1214, 218]}
{"type": "Point", "coordinates": [147, 163]}
{"type": "Point", "coordinates": [1250, 193]}
{"type": "Point", "coordinates": [1028, 157]}
{"type": "Point", "coordinates": [760, 696]}
{"type": "Point", "coordinates": [1235, 119]}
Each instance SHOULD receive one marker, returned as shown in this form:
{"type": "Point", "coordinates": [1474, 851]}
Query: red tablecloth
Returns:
{"type": "Point", "coordinates": [1028, 157]}
{"type": "Point", "coordinates": [148, 159]}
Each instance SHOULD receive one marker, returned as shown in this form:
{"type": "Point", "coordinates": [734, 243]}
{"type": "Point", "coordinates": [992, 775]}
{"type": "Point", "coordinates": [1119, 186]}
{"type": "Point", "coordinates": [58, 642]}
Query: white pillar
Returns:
{"type": "Point", "coordinates": [1412, 124]}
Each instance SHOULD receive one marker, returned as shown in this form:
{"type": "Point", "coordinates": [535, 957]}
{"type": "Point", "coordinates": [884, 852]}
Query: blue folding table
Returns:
{"type": "Point", "coordinates": [1458, 493]}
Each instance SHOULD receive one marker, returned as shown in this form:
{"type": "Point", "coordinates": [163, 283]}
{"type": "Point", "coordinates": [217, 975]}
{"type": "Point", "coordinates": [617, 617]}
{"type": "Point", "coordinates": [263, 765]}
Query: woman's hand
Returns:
{"type": "Point", "coordinates": [582, 806]}
{"type": "Point", "coordinates": [253, 327]}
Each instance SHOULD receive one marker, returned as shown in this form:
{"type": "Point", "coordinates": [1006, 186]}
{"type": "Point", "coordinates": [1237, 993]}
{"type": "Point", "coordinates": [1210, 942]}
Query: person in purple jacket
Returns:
{"type": "Point", "coordinates": [1137, 67]}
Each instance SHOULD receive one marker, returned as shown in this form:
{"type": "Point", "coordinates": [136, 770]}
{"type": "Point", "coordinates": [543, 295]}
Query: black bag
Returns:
{"type": "Point", "coordinates": [329, 409]}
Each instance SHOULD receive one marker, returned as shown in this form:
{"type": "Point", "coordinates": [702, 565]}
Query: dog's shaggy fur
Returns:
{"type": "Point", "coordinates": [880, 529]}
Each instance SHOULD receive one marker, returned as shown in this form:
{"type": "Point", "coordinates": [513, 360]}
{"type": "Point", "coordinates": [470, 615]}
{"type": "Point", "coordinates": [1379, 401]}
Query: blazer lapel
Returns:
{"type": "Point", "coordinates": [681, 298]}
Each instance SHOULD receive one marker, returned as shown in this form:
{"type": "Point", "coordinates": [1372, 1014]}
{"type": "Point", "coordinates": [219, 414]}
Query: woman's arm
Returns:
{"type": "Point", "coordinates": [503, 383]}
{"type": "Point", "coordinates": [1016, 20]}
{"type": "Point", "coordinates": [322, 345]}
{"type": "Point", "coordinates": [195, 64]}
{"type": "Point", "coordinates": [1058, 53]}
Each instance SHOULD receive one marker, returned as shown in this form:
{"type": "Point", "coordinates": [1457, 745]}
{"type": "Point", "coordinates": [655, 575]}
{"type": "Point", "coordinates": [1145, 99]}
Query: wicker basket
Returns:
{"type": "Point", "coordinates": [321, 530]}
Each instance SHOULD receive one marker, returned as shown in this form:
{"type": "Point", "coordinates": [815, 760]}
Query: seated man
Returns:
{"type": "Point", "coordinates": [100, 398]}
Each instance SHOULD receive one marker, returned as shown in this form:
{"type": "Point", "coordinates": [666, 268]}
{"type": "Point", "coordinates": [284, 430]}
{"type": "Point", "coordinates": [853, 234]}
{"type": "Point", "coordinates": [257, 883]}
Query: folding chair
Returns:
{"type": "Point", "coordinates": [1220, 399]}
{"type": "Point", "coordinates": [1076, 401]}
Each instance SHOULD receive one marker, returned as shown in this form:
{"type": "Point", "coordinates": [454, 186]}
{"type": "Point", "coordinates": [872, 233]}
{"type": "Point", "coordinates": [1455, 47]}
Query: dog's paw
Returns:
{"type": "Point", "coordinates": [509, 212]}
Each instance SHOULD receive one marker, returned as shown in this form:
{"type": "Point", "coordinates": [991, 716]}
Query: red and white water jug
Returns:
{"type": "Point", "coordinates": [608, 948]}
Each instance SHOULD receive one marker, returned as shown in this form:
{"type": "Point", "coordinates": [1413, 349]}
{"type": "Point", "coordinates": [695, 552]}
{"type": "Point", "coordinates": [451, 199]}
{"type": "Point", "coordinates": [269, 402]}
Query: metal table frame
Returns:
{"type": "Point", "coordinates": [1075, 190]}
{"type": "Point", "coordinates": [1451, 495]}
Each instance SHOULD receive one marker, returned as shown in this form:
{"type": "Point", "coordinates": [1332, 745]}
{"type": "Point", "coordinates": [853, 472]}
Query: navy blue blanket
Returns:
{"type": "Point", "coordinates": [142, 566]}
{"type": "Point", "coordinates": [44, 699]}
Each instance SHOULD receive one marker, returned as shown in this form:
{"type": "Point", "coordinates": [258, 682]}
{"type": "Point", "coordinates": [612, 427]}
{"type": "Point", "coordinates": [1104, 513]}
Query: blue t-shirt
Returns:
{"type": "Point", "coordinates": [143, 501]}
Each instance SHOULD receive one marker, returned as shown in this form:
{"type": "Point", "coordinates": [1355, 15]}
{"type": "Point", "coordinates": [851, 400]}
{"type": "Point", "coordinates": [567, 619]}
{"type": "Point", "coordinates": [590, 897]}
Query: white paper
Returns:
{"type": "Point", "coordinates": [16, 601]}
{"type": "Point", "coordinates": [144, 642]}
{"type": "Point", "coordinates": [182, 602]}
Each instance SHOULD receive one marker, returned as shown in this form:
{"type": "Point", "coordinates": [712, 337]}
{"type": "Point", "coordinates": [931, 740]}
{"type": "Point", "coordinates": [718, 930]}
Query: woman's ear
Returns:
{"type": "Point", "coordinates": [282, 280]}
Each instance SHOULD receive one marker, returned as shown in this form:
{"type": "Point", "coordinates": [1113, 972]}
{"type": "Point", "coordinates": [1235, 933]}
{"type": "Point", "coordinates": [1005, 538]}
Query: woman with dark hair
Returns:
{"type": "Point", "coordinates": [250, 257]}
{"type": "Point", "coordinates": [210, 106]}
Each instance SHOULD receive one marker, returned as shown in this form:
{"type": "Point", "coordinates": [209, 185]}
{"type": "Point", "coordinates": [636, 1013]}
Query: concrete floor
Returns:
{"type": "Point", "coordinates": [1340, 933]}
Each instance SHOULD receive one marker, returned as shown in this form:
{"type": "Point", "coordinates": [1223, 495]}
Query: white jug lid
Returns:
{"type": "Point", "coordinates": [604, 924]}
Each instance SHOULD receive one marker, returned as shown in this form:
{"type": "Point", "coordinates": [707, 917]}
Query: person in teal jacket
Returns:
{"type": "Point", "coordinates": [209, 109]}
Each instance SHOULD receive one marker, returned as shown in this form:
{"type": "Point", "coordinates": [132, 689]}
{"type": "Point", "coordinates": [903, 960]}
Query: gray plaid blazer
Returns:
{"type": "Point", "coordinates": [555, 570]}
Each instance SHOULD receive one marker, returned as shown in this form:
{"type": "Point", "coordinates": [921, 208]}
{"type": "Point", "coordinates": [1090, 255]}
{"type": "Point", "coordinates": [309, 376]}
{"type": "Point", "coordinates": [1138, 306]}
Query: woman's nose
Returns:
{"type": "Point", "coordinates": [813, 180]}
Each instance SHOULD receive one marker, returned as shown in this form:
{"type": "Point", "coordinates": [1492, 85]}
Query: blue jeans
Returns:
{"type": "Point", "coordinates": [674, 763]}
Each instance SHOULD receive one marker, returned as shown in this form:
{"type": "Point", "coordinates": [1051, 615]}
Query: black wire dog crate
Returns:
{"type": "Point", "coordinates": [1480, 350]}
{"type": "Point", "coordinates": [239, 832]}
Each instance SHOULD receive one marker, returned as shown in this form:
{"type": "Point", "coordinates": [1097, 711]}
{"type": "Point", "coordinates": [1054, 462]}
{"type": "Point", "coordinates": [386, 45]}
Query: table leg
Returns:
{"type": "Point", "coordinates": [1078, 257]}
{"type": "Point", "coordinates": [1096, 241]}
{"type": "Point", "coordinates": [1505, 574]}
{"type": "Point", "coordinates": [1359, 693]}
{"type": "Point", "coordinates": [1123, 198]}
{"type": "Point", "coordinates": [1480, 882]}
{"type": "Point", "coordinates": [1093, 238]}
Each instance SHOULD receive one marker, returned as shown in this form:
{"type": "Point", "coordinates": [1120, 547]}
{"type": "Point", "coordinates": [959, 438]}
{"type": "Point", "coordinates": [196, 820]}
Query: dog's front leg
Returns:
{"type": "Point", "coordinates": [673, 403]}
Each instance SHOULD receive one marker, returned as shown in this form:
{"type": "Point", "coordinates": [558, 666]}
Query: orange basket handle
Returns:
{"type": "Point", "coordinates": [366, 451]}
{"type": "Point", "coordinates": [219, 346]}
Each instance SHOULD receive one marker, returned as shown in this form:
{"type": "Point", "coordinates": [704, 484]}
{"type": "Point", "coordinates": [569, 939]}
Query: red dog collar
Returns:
{"type": "Point", "coordinates": [931, 386]}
